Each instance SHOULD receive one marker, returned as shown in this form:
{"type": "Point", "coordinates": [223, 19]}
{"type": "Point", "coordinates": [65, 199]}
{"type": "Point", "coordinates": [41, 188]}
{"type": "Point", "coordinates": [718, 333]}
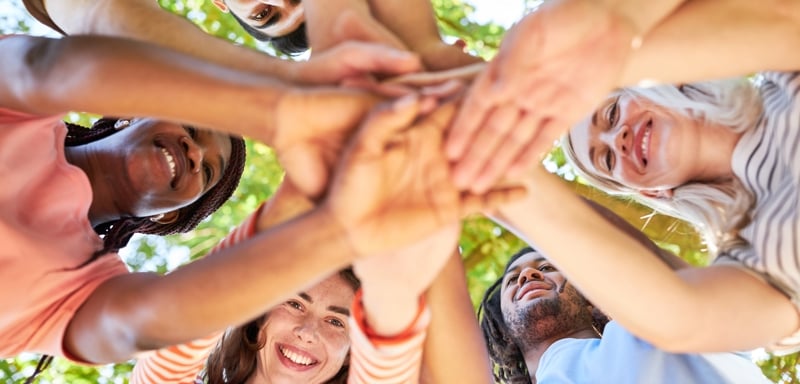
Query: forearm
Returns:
{"type": "Point", "coordinates": [84, 73]}
{"type": "Point", "coordinates": [141, 312]}
{"type": "Point", "coordinates": [707, 39]}
{"type": "Point", "coordinates": [413, 21]}
{"type": "Point", "coordinates": [642, 16]}
{"type": "Point", "coordinates": [454, 327]}
{"type": "Point", "coordinates": [145, 20]}
{"type": "Point", "coordinates": [620, 275]}
{"type": "Point", "coordinates": [323, 18]}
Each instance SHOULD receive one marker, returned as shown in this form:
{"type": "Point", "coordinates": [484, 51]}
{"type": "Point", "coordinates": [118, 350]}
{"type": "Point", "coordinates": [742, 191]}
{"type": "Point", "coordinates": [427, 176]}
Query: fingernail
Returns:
{"type": "Point", "coordinates": [406, 101]}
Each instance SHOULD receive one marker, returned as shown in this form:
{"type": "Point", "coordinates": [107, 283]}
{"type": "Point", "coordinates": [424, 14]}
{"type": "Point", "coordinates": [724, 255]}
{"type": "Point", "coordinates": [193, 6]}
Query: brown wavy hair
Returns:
{"type": "Point", "coordinates": [235, 357]}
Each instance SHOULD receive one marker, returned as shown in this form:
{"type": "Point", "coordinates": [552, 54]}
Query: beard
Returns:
{"type": "Point", "coordinates": [548, 318]}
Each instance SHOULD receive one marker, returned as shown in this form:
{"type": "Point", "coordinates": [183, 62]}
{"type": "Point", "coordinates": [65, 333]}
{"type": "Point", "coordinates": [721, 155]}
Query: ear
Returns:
{"type": "Point", "coordinates": [658, 193]}
{"type": "Point", "coordinates": [221, 5]}
{"type": "Point", "coordinates": [165, 218]}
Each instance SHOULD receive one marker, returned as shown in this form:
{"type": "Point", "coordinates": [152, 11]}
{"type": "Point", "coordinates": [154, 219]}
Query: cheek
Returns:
{"type": "Point", "coordinates": [338, 345]}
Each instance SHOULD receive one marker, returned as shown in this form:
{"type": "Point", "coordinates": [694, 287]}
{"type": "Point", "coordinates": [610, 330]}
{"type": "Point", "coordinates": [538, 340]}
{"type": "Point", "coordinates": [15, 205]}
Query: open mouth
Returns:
{"type": "Point", "coordinates": [296, 358]}
{"type": "Point", "coordinates": [644, 142]}
{"type": "Point", "coordinates": [171, 162]}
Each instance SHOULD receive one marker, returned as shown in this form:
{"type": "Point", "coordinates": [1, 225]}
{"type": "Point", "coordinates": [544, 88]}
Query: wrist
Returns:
{"type": "Point", "coordinates": [389, 316]}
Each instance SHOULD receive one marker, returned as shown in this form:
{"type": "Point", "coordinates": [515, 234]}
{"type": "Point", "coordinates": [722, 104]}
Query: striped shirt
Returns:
{"type": "Point", "coordinates": [373, 359]}
{"type": "Point", "coordinates": [767, 161]}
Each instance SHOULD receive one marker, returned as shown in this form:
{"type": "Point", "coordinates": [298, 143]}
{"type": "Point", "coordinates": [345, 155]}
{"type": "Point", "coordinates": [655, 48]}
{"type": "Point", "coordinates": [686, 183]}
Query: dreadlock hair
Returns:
{"type": "Point", "coordinates": [506, 356]}
{"type": "Point", "coordinates": [292, 43]}
{"type": "Point", "coordinates": [235, 357]}
{"type": "Point", "coordinates": [117, 233]}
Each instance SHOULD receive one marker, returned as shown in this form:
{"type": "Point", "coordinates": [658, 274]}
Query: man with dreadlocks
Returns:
{"type": "Point", "coordinates": [540, 329]}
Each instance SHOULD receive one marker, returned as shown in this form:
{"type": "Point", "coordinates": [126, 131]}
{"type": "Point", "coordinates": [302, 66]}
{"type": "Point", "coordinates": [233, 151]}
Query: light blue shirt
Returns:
{"type": "Point", "coordinates": [619, 358]}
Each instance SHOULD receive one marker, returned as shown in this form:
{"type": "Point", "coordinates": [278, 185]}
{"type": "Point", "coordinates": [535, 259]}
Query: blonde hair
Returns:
{"type": "Point", "coordinates": [717, 209]}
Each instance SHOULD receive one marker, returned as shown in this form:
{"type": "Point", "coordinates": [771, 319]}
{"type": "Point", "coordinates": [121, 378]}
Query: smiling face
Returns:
{"type": "Point", "coordinates": [273, 18]}
{"type": "Point", "coordinates": [307, 336]}
{"type": "Point", "coordinates": [639, 144]}
{"type": "Point", "coordinates": [165, 166]}
{"type": "Point", "coordinates": [538, 303]}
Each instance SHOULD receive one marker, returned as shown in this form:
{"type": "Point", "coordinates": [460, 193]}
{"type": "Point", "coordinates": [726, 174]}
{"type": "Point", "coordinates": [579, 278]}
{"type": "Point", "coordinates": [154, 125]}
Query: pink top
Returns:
{"type": "Point", "coordinates": [45, 235]}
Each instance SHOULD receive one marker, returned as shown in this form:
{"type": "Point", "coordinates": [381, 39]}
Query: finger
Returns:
{"type": "Point", "coordinates": [314, 178]}
{"type": "Point", "coordinates": [370, 85]}
{"type": "Point", "coordinates": [473, 112]}
{"type": "Point", "coordinates": [444, 90]}
{"type": "Point", "coordinates": [387, 120]}
{"type": "Point", "coordinates": [466, 73]}
{"type": "Point", "coordinates": [491, 200]}
{"type": "Point", "coordinates": [362, 57]}
{"type": "Point", "coordinates": [515, 142]}
{"type": "Point", "coordinates": [535, 151]}
{"type": "Point", "coordinates": [485, 145]}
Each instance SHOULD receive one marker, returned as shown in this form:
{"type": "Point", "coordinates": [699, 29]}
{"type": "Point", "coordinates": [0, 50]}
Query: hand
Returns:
{"type": "Point", "coordinates": [552, 69]}
{"type": "Point", "coordinates": [353, 59]}
{"type": "Point", "coordinates": [411, 269]}
{"type": "Point", "coordinates": [393, 184]}
{"type": "Point", "coordinates": [393, 282]}
{"type": "Point", "coordinates": [312, 127]}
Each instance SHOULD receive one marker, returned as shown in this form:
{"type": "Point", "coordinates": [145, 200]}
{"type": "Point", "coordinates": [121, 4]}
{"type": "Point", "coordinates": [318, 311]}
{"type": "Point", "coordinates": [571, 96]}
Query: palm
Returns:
{"type": "Point", "coordinates": [312, 128]}
{"type": "Point", "coordinates": [395, 187]}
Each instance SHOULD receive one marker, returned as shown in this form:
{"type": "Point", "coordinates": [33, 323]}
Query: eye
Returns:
{"type": "Point", "coordinates": [512, 279]}
{"type": "Point", "coordinates": [609, 161]}
{"type": "Point", "coordinates": [547, 268]}
{"type": "Point", "coordinates": [208, 172]}
{"type": "Point", "coordinates": [336, 322]}
{"type": "Point", "coordinates": [613, 113]}
{"type": "Point", "coordinates": [262, 14]}
{"type": "Point", "coordinates": [295, 305]}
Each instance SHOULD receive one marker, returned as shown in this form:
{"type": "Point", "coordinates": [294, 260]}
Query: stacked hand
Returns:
{"type": "Point", "coordinates": [393, 185]}
{"type": "Point", "coordinates": [552, 69]}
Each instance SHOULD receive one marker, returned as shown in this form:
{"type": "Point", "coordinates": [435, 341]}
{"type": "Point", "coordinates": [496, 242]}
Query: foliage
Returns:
{"type": "Point", "coordinates": [485, 246]}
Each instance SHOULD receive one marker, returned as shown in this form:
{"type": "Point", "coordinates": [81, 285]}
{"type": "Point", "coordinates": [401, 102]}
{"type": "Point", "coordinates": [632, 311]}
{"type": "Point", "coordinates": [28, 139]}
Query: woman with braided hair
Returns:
{"type": "Point", "coordinates": [80, 301]}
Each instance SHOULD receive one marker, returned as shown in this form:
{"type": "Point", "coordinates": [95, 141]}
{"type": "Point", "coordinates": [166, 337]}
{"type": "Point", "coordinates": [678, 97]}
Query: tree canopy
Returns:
{"type": "Point", "coordinates": [485, 246]}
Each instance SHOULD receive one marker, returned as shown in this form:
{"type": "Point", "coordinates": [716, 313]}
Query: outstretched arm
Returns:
{"type": "Point", "coordinates": [181, 363]}
{"type": "Point", "coordinates": [619, 274]}
{"type": "Point", "coordinates": [454, 331]}
{"type": "Point", "coordinates": [144, 20]}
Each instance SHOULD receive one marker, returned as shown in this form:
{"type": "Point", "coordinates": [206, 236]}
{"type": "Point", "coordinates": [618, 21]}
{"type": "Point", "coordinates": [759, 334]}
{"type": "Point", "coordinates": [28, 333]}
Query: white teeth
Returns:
{"type": "Point", "coordinates": [645, 142]}
{"type": "Point", "coordinates": [295, 358]}
{"type": "Point", "coordinates": [170, 161]}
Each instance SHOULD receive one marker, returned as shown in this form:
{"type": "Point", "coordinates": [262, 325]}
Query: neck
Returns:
{"type": "Point", "coordinates": [717, 162]}
{"type": "Point", "coordinates": [102, 209]}
{"type": "Point", "coordinates": [534, 353]}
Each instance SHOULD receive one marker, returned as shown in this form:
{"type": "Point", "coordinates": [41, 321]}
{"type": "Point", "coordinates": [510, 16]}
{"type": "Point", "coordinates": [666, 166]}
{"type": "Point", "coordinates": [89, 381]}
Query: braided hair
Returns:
{"type": "Point", "coordinates": [506, 356]}
{"type": "Point", "coordinates": [117, 233]}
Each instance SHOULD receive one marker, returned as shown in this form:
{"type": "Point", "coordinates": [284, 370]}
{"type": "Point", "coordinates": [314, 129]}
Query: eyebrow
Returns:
{"type": "Point", "coordinates": [332, 308]}
{"type": "Point", "coordinates": [339, 310]}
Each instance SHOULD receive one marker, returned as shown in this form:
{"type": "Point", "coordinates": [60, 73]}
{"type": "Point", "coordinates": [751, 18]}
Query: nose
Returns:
{"type": "Point", "coordinates": [529, 274]}
{"type": "Point", "coordinates": [194, 153]}
{"type": "Point", "coordinates": [306, 331]}
{"type": "Point", "coordinates": [623, 141]}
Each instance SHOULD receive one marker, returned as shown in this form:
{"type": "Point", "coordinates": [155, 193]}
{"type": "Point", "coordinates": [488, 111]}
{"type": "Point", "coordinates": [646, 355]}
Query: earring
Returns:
{"type": "Point", "coordinates": [121, 123]}
{"type": "Point", "coordinates": [157, 218]}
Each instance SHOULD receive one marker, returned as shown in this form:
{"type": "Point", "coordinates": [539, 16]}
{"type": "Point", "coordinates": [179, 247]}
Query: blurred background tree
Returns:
{"type": "Point", "coordinates": [485, 246]}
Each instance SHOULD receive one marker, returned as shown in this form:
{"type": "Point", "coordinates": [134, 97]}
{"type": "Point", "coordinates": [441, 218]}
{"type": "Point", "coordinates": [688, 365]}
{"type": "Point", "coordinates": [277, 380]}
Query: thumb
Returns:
{"type": "Point", "coordinates": [387, 120]}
